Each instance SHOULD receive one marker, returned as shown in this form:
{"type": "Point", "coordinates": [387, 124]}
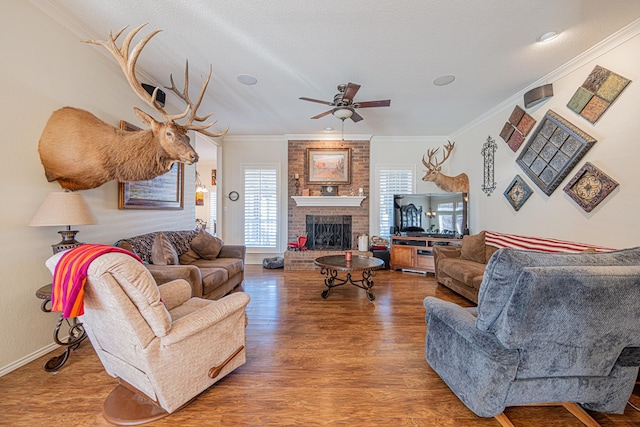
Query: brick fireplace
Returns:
{"type": "Point", "coordinates": [297, 215]}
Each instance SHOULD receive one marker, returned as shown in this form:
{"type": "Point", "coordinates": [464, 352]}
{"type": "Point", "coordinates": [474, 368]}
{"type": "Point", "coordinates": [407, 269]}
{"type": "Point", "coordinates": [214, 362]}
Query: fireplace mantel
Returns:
{"type": "Point", "coordinates": [328, 200]}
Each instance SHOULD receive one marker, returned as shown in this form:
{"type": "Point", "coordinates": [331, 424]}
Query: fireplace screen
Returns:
{"type": "Point", "coordinates": [328, 232]}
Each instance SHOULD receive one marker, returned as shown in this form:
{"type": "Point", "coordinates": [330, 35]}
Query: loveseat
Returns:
{"type": "Point", "coordinates": [461, 268]}
{"type": "Point", "coordinates": [212, 268]}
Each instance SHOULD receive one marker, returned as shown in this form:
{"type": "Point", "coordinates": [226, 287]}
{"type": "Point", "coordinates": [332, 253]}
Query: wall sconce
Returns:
{"type": "Point", "coordinates": [64, 209]}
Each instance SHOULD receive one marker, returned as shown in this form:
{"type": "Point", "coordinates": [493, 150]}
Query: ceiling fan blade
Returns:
{"type": "Point", "coordinates": [356, 117]}
{"type": "Point", "coordinates": [350, 91]}
{"type": "Point", "coordinates": [316, 100]}
{"type": "Point", "coordinates": [368, 104]}
{"type": "Point", "coordinates": [322, 114]}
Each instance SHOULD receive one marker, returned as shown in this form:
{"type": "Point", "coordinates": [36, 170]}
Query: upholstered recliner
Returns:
{"type": "Point", "coordinates": [164, 346]}
{"type": "Point", "coordinates": [548, 328]}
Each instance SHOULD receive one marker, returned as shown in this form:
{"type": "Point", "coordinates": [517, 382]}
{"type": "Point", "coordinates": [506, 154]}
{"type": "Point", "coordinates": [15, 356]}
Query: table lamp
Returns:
{"type": "Point", "coordinates": [64, 209]}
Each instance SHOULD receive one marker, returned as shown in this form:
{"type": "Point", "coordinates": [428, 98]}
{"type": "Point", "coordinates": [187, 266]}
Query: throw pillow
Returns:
{"type": "Point", "coordinates": [473, 248]}
{"type": "Point", "coordinates": [162, 251]}
{"type": "Point", "coordinates": [206, 245]}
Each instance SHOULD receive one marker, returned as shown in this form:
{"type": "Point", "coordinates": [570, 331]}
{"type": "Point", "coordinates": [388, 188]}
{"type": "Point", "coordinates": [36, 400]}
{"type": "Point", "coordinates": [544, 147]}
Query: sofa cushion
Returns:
{"type": "Point", "coordinates": [465, 271]}
{"type": "Point", "coordinates": [232, 265]}
{"type": "Point", "coordinates": [212, 278]}
{"type": "Point", "coordinates": [206, 245]}
{"type": "Point", "coordinates": [473, 248]}
{"type": "Point", "coordinates": [189, 257]}
{"type": "Point", "coordinates": [162, 251]}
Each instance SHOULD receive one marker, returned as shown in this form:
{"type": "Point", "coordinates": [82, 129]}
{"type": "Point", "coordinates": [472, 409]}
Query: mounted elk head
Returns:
{"type": "Point", "coordinates": [82, 152]}
{"type": "Point", "coordinates": [458, 183]}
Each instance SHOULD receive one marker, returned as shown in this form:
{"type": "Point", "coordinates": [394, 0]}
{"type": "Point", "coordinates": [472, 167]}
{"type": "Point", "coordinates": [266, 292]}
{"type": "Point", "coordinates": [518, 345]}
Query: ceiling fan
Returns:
{"type": "Point", "coordinates": [344, 105]}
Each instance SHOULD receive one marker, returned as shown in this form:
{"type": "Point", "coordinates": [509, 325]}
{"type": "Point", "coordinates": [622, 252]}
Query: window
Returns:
{"type": "Point", "coordinates": [450, 216]}
{"type": "Point", "coordinates": [392, 181]}
{"type": "Point", "coordinates": [260, 207]}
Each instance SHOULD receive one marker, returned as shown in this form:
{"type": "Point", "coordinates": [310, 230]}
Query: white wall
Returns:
{"type": "Point", "coordinates": [616, 153]}
{"type": "Point", "coordinates": [45, 68]}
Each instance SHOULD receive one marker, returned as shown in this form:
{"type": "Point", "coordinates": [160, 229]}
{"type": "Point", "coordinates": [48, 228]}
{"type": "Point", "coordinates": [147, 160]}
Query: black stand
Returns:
{"type": "Point", "coordinates": [73, 341]}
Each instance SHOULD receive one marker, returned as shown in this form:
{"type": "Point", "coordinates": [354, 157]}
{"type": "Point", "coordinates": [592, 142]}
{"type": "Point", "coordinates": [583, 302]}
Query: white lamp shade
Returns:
{"type": "Point", "coordinates": [343, 113]}
{"type": "Point", "coordinates": [64, 208]}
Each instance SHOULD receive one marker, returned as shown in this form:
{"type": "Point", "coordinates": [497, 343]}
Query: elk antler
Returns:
{"type": "Point", "coordinates": [184, 95]}
{"type": "Point", "coordinates": [430, 153]}
{"type": "Point", "coordinates": [127, 61]}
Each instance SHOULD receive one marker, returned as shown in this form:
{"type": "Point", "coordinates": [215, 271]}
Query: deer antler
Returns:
{"type": "Point", "coordinates": [430, 153]}
{"type": "Point", "coordinates": [127, 61]}
{"type": "Point", "coordinates": [184, 95]}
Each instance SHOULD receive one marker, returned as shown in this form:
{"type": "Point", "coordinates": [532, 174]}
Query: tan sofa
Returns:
{"type": "Point", "coordinates": [462, 270]}
{"type": "Point", "coordinates": [210, 277]}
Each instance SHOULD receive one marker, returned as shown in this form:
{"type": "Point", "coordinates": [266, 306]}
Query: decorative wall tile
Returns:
{"type": "Point", "coordinates": [589, 187]}
{"type": "Point", "coordinates": [553, 150]}
{"type": "Point", "coordinates": [517, 192]}
{"type": "Point", "coordinates": [517, 128]}
{"type": "Point", "coordinates": [597, 93]}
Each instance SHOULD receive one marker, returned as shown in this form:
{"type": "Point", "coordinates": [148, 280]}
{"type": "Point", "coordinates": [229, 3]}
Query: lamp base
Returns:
{"type": "Point", "coordinates": [68, 241]}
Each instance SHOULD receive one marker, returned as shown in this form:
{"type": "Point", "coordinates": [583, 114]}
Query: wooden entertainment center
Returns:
{"type": "Point", "coordinates": [416, 253]}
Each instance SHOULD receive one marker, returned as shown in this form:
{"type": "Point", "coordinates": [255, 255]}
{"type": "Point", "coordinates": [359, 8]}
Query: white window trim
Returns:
{"type": "Point", "coordinates": [374, 217]}
{"type": "Point", "coordinates": [277, 167]}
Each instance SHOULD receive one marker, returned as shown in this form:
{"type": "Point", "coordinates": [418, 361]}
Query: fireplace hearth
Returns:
{"type": "Point", "coordinates": [328, 232]}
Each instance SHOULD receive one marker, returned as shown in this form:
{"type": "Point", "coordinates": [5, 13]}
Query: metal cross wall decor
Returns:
{"type": "Point", "coordinates": [488, 152]}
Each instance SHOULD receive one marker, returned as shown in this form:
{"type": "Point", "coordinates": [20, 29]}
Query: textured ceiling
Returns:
{"type": "Point", "coordinates": [393, 49]}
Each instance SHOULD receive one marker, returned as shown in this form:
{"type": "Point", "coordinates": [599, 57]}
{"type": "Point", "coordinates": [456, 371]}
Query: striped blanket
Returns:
{"type": "Point", "coordinates": [501, 240]}
{"type": "Point", "coordinates": [70, 275]}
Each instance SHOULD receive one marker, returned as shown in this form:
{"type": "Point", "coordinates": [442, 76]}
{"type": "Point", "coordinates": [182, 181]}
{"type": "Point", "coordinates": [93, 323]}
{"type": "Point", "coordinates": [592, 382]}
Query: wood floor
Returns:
{"type": "Point", "coordinates": [343, 361]}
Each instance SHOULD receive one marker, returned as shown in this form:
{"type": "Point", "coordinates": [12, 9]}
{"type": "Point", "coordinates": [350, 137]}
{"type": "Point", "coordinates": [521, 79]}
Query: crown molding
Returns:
{"type": "Point", "coordinates": [607, 45]}
{"type": "Point", "coordinates": [327, 137]}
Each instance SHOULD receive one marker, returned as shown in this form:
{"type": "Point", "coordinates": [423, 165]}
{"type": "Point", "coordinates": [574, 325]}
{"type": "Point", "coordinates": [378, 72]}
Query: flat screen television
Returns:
{"type": "Point", "coordinates": [430, 214]}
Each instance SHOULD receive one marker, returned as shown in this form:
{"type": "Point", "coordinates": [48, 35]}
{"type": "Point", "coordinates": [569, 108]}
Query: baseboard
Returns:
{"type": "Point", "coordinates": [27, 359]}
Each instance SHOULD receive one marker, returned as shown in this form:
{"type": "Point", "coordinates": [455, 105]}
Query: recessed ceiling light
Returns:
{"type": "Point", "coordinates": [550, 35]}
{"type": "Point", "coordinates": [444, 80]}
{"type": "Point", "coordinates": [328, 129]}
{"type": "Point", "coordinates": [247, 79]}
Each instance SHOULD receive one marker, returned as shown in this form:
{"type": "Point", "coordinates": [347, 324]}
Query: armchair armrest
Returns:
{"type": "Point", "coordinates": [175, 293]}
{"type": "Point", "coordinates": [204, 318]}
{"type": "Point", "coordinates": [166, 273]}
{"type": "Point", "coordinates": [462, 322]}
{"type": "Point", "coordinates": [233, 251]}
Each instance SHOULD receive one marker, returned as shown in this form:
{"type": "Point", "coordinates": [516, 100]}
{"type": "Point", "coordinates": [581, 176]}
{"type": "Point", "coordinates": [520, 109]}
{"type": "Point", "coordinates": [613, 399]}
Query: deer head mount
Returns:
{"type": "Point", "coordinates": [82, 152]}
{"type": "Point", "coordinates": [458, 183]}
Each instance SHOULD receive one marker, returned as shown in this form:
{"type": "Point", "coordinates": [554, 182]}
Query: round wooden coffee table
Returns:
{"type": "Point", "coordinates": [330, 265]}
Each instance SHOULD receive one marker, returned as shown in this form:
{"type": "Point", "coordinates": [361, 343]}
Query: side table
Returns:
{"type": "Point", "coordinates": [73, 341]}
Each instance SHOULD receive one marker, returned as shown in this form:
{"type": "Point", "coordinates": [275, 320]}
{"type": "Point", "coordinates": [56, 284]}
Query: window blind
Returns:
{"type": "Point", "coordinates": [260, 208]}
{"type": "Point", "coordinates": [392, 181]}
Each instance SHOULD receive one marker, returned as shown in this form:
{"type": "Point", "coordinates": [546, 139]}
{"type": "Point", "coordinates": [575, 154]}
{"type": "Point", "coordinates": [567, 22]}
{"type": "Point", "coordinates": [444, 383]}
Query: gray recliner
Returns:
{"type": "Point", "coordinates": [548, 328]}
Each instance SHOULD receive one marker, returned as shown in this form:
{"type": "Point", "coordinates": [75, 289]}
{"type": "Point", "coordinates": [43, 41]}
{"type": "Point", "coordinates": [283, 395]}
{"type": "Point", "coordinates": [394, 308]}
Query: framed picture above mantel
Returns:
{"type": "Point", "coordinates": [328, 166]}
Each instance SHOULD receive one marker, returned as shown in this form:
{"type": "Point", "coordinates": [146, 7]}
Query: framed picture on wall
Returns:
{"type": "Point", "coordinates": [328, 166]}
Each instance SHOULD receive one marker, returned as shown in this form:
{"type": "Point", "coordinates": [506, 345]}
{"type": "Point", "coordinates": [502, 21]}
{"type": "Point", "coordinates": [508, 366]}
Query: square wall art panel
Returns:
{"type": "Point", "coordinates": [589, 187]}
{"type": "Point", "coordinates": [517, 192]}
{"type": "Point", "coordinates": [597, 93]}
{"type": "Point", "coordinates": [554, 149]}
{"type": "Point", "coordinates": [517, 128]}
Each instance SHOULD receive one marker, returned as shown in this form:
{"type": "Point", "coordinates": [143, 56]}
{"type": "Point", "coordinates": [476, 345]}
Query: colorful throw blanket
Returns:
{"type": "Point", "coordinates": [70, 275]}
{"type": "Point", "coordinates": [501, 240]}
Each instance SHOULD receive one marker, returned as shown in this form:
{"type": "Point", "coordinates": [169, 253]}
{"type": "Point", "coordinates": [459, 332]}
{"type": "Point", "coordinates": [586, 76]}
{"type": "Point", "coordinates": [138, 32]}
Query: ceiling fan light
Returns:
{"type": "Point", "coordinates": [343, 113]}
